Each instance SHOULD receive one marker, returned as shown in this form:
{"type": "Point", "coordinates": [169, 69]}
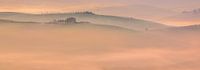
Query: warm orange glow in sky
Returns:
{"type": "Point", "coordinates": [180, 23]}
{"type": "Point", "coordinates": [35, 6]}
{"type": "Point", "coordinates": [52, 8]}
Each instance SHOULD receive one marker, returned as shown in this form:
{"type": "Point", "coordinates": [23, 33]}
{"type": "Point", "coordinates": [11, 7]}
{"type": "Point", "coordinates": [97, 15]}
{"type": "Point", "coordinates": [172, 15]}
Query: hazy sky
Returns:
{"type": "Point", "coordinates": [38, 6]}
{"type": "Point", "coordinates": [145, 8]}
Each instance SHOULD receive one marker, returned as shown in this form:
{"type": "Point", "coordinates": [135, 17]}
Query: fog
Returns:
{"type": "Point", "coordinates": [93, 47]}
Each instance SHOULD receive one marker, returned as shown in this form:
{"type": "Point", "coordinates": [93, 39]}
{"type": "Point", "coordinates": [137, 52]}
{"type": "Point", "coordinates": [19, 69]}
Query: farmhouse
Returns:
{"type": "Point", "coordinates": [70, 20]}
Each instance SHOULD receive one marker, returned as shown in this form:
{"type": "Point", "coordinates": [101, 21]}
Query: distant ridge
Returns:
{"type": "Point", "coordinates": [195, 11]}
{"type": "Point", "coordinates": [182, 29]}
{"type": "Point", "coordinates": [15, 13]}
{"type": "Point", "coordinates": [186, 17]}
{"type": "Point", "coordinates": [3, 21]}
{"type": "Point", "coordinates": [191, 27]}
{"type": "Point", "coordinates": [125, 22]}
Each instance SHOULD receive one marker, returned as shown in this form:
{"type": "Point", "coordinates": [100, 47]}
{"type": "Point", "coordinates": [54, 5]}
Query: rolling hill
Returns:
{"type": "Point", "coordinates": [181, 30]}
{"type": "Point", "coordinates": [191, 28]}
{"type": "Point", "coordinates": [185, 18]}
{"type": "Point", "coordinates": [3, 21]}
{"type": "Point", "coordinates": [139, 11]}
{"type": "Point", "coordinates": [130, 23]}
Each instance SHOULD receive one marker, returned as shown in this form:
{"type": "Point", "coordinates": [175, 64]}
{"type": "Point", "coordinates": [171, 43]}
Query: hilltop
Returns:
{"type": "Point", "coordinates": [125, 22]}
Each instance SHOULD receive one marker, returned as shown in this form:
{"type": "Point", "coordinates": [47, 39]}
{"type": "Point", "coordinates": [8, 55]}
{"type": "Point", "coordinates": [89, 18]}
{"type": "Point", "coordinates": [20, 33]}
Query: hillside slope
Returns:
{"type": "Point", "coordinates": [130, 23]}
{"type": "Point", "coordinates": [2, 21]}
{"type": "Point", "coordinates": [184, 29]}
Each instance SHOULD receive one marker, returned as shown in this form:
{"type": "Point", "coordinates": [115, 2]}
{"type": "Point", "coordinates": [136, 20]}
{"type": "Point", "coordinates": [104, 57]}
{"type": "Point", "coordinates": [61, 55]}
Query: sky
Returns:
{"type": "Point", "coordinates": [38, 6]}
{"type": "Point", "coordinates": [130, 8]}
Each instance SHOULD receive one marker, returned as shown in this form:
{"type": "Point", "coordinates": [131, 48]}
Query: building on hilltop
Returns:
{"type": "Point", "coordinates": [70, 20]}
{"type": "Point", "coordinates": [85, 12]}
